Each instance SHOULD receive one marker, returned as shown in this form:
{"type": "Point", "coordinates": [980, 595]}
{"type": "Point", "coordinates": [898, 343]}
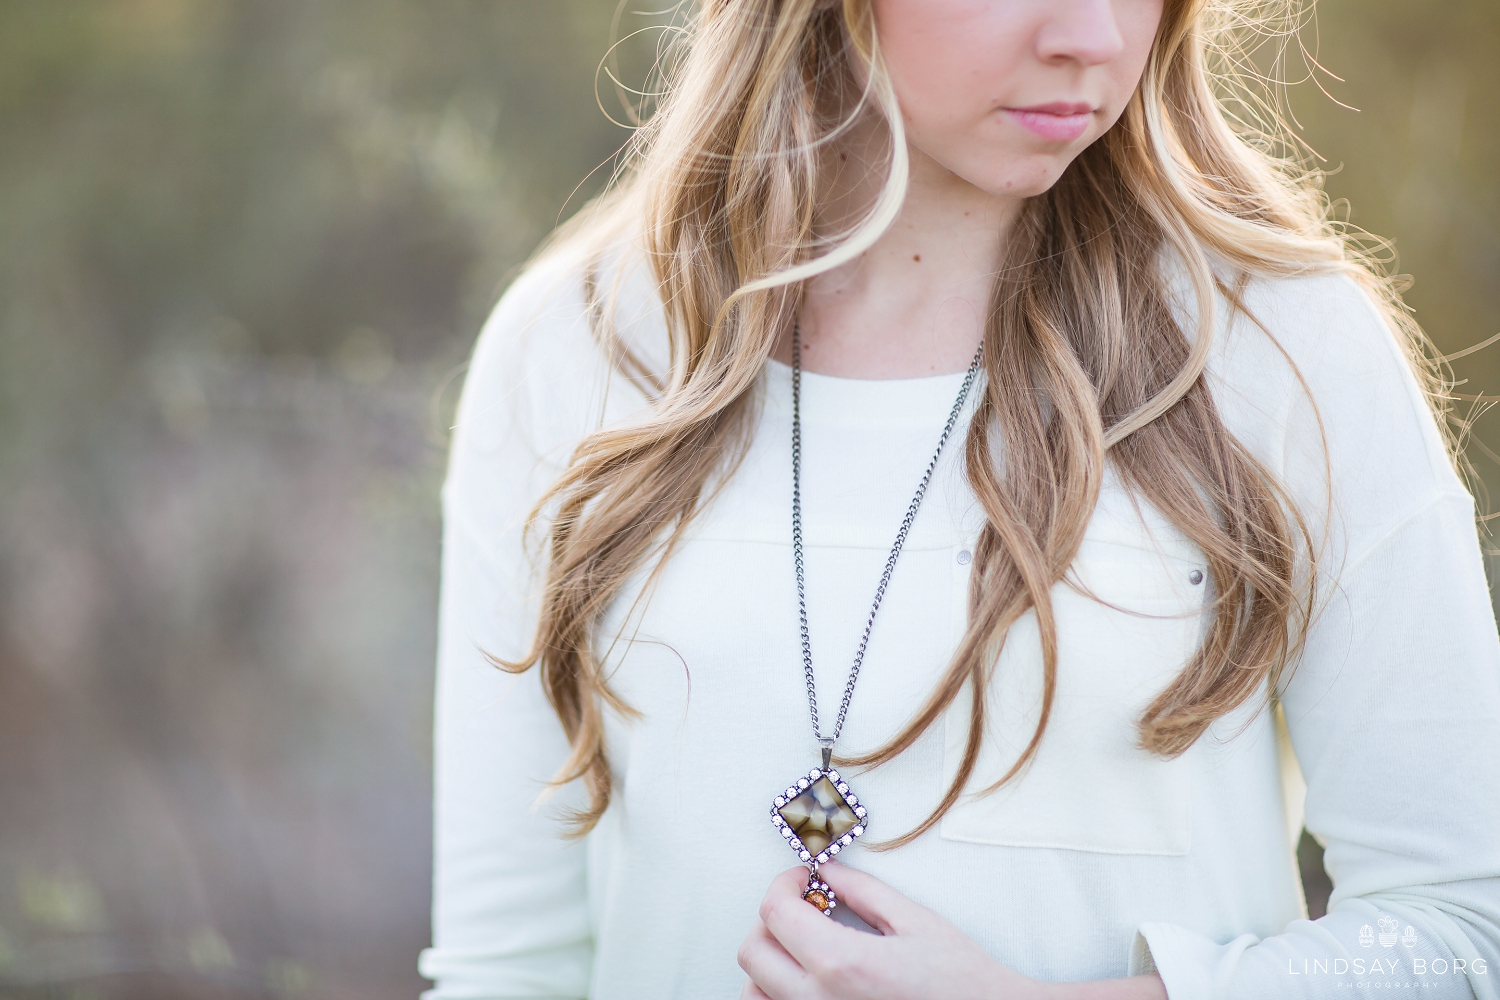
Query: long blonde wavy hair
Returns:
{"type": "Point", "coordinates": [721, 190]}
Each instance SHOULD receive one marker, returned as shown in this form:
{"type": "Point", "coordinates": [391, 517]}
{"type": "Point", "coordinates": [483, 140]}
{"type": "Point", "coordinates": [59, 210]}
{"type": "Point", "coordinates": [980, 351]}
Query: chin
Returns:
{"type": "Point", "coordinates": [1019, 183]}
{"type": "Point", "coordinates": [1008, 172]}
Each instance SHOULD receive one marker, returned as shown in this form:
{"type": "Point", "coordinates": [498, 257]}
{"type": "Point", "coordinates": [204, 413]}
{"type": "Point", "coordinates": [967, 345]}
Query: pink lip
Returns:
{"type": "Point", "coordinates": [1059, 121]}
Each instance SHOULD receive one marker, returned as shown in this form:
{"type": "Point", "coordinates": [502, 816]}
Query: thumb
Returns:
{"type": "Point", "coordinates": [877, 904]}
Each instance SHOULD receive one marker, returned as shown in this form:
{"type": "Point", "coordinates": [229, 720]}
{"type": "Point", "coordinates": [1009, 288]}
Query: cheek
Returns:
{"type": "Point", "coordinates": [956, 63]}
{"type": "Point", "coordinates": [950, 59]}
{"type": "Point", "coordinates": [1138, 21]}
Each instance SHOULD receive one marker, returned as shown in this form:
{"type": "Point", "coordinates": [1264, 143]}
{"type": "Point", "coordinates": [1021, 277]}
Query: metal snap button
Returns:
{"type": "Point", "coordinates": [1195, 577]}
{"type": "Point", "coordinates": [964, 557]}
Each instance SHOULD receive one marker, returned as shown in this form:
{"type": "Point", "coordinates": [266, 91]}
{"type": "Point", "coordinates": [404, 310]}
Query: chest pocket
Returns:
{"type": "Point", "coordinates": [1130, 613]}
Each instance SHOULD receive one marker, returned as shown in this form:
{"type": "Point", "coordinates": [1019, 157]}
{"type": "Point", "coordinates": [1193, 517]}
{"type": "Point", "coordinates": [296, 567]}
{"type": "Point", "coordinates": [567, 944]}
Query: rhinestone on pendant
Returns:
{"type": "Point", "coordinates": [818, 816]}
{"type": "Point", "coordinates": [820, 894]}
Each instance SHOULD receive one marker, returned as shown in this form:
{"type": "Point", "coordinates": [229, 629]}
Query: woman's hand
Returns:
{"type": "Point", "coordinates": [796, 953]}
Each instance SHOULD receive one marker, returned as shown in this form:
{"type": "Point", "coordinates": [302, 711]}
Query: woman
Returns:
{"type": "Point", "coordinates": [950, 426]}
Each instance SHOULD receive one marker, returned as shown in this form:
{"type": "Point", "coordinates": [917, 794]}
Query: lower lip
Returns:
{"type": "Point", "coordinates": [1054, 128]}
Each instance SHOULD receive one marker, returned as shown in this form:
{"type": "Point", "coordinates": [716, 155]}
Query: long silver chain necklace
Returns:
{"type": "Point", "coordinates": [817, 814]}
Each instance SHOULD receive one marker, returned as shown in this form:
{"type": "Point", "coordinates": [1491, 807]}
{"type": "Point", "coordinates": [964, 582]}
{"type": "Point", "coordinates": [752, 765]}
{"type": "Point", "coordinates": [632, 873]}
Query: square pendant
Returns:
{"type": "Point", "coordinates": [818, 815]}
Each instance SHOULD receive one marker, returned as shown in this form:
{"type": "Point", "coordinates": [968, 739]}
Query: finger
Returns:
{"type": "Point", "coordinates": [773, 973]}
{"type": "Point", "coordinates": [880, 906]}
{"type": "Point", "coordinates": [752, 992]}
{"type": "Point", "coordinates": [801, 928]}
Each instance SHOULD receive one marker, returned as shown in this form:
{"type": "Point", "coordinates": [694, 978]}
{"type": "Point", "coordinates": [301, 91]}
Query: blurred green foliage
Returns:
{"type": "Point", "coordinates": [245, 246]}
{"type": "Point", "coordinates": [1416, 154]}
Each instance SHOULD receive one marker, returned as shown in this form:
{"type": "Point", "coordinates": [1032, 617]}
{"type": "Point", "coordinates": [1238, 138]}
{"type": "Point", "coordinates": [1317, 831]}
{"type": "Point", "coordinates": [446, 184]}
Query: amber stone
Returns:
{"type": "Point", "coordinates": [816, 898]}
{"type": "Point", "coordinates": [819, 815]}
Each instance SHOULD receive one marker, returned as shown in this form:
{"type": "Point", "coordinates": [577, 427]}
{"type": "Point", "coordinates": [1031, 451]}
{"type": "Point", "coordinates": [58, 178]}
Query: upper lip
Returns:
{"type": "Point", "coordinates": [1057, 108]}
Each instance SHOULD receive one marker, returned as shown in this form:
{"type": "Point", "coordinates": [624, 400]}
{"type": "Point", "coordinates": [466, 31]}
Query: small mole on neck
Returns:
{"type": "Point", "coordinates": [917, 257]}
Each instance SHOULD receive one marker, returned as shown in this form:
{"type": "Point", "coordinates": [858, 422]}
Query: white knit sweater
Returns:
{"type": "Point", "coordinates": [1102, 860]}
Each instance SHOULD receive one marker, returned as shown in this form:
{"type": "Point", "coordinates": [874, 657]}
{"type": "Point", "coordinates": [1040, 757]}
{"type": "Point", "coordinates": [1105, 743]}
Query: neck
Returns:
{"type": "Point", "coordinates": [915, 303]}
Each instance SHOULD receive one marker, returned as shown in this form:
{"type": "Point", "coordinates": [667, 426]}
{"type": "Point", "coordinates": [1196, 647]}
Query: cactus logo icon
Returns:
{"type": "Point", "coordinates": [1366, 936]}
{"type": "Point", "coordinates": [1409, 936]}
{"type": "Point", "coordinates": [1388, 926]}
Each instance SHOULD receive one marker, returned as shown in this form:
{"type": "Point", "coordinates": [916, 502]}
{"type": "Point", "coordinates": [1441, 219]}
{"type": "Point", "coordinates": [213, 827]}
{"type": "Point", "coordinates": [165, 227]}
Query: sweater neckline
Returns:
{"type": "Point", "coordinates": [895, 402]}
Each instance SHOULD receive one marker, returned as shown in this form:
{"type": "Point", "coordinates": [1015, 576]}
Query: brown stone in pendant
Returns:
{"type": "Point", "coordinates": [816, 898]}
{"type": "Point", "coordinates": [819, 815]}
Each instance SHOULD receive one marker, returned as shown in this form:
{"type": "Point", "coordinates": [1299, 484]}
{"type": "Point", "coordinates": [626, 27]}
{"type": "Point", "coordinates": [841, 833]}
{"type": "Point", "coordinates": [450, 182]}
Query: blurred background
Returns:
{"type": "Point", "coordinates": [245, 246]}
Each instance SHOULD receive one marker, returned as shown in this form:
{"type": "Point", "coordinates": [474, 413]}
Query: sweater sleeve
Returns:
{"type": "Point", "coordinates": [1393, 708]}
{"type": "Point", "coordinates": [510, 904]}
{"type": "Point", "coordinates": [1393, 716]}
